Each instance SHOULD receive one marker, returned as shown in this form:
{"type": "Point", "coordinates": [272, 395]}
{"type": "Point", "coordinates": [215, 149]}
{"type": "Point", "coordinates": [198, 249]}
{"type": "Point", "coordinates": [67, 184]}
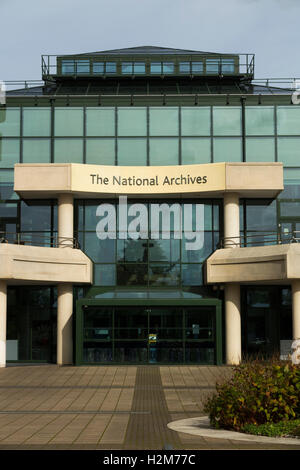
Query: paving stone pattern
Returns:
{"type": "Point", "coordinates": [113, 407]}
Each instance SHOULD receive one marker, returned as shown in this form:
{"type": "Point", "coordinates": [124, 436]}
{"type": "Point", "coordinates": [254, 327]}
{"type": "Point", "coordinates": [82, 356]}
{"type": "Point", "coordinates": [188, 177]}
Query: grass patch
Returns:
{"type": "Point", "coordinates": [282, 428]}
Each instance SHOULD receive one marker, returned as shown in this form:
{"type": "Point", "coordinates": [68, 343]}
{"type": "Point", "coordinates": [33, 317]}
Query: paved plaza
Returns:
{"type": "Point", "coordinates": [107, 407]}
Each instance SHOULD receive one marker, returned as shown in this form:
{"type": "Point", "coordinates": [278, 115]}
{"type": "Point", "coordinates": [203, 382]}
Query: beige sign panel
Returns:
{"type": "Point", "coordinates": [148, 180]}
{"type": "Point", "coordinates": [41, 180]}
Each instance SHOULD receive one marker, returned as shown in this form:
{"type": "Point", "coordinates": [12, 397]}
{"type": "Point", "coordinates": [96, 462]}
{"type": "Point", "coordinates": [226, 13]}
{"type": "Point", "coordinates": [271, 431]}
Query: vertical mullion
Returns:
{"type": "Point", "coordinates": [21, 135]}
{"type": "Point", "coordinates": [84, 134]}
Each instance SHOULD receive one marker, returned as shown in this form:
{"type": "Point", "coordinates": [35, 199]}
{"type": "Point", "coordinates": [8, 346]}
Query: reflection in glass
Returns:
{"type": "Point", "coordinates": [288, 120]}
{"type": "Point", "coordinates": [68, 151]}
{"type": "Point", "coordinates": [289, 150]}
{"type": "Point", "coordinates": [104, 275]}
{"type": "Point", "coordinates": [164, 274]}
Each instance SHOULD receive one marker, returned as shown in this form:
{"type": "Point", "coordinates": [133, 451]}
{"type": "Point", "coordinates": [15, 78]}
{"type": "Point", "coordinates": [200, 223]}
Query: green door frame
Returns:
{"type": "Point", "coordinates": [147, 303]}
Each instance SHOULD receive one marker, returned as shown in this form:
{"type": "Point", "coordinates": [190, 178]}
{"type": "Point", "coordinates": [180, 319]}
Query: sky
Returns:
{"type": "Point", "coordinates": [268, 28]}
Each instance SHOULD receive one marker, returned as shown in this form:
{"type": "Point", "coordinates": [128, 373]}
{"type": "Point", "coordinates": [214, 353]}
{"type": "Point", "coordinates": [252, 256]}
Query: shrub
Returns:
{"type": "Point", "coordinates": [257, 393]}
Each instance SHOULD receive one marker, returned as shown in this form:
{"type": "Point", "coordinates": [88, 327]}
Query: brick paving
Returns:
{"type": "Point", "coordinates": [113, 407]}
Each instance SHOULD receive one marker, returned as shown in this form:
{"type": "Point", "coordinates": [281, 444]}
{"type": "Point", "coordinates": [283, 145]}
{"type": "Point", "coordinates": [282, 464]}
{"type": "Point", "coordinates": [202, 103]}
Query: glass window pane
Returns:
{"type": "Point", "coordinates": [204, 241]}
{"type": "Point", "coordinates": [68, 151]}
{"type": "Point", "coordinates": [259, 120]}
{"type": "Point", "coordinates": [260, 149]}
{"type": "Point", "coordinates": [168, 67]}
{"type": "Point", "coordinates": [127, 67]}
{"type": "Point", "coordinates": [184, 67]}
{"type": "Point", "coordinates": [139, 67]}
{"type": "Point", "coordinates": [227, 66]}
{"type": "Point", "coordinates": [100, 151]}
{"type": "Point", "coordinates": [36, 122]}
{"type": "Point", "coordinates": [197, 67]}
{"type": "Point", "coordinates": [261, 216]}
{"type": "Point", "coordinates": [104, 275]}
{"type": "Point", "coordinates": [212, 65]}
{"type": "Point", "coordinates": [9, 122]}
{"type": "Point", "coordinates": [90, 216]}
{"type": "Point", "coordinates": [100, 251]}
{"type": "Point", "coordinates": [100, 122]}
{"type": "Point", "coordinates": [7, 185]}
{"type": "Point", "coordinates": [67, 67]}
{"type": "Point", "coordinates": [8, 210]}
{"type": "Point", "coordinates": [227, 120]}
{"type": "Point", "coordinates": [164, 121]}
{"type": "Point", "coordinates": [98, 67]}
{"type": "Point", "coordinates": [82, 66]}
{"type": "Point", "coordinates": [68, 121]}
{"type": "Point", "coordinates": [288, 120]}
{"type": "Point", "coordinates": [132, 152]}
{"type": "Point", "coordinates": [132, 122]}
{"type": "Point", "coordinates": [191, 274]}
{"type": "Point", "coordinates": [110, 67]}
{"type": "Point", "coordinates": [289, 151]}
{"type": "Point", "coordinates": [164, 274]}
{"type": "Point", "coordinates": [227, 150]}
{"type": "Point", "coordinates": [164, 250]}
{"type": "Point", "coordinates": [36, 150]}
{"type": "Point", "coordinates": [9, 152]}
{"type": "Point", "coordinates": [35, 217]}
{"type": "Point", "coordinates": [155, 67]}
{"type": "Point", "coordinates": [195, 151]}
{"type": "Point", "coordinates": [132, 251]}
{"type": "Point", "coordinates": [132, 274]}
{"type": "Point", "coordinates": [164, 152]}
{"type": "Point", "coordinates": [195, 121]}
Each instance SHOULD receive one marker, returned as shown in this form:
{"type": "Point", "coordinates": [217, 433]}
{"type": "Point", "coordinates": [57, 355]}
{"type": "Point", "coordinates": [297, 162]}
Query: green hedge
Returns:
{"type": "Point", "coordinates": [257, 393]}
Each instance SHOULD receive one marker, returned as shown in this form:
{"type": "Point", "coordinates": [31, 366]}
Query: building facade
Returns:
{"type": "Point", "coordinates": [149, 210]}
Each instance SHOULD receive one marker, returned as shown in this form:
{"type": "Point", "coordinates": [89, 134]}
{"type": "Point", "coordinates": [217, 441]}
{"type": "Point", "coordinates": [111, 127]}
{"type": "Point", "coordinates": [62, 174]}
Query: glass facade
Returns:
{"type": "Point", "coordinates": [148, 135]}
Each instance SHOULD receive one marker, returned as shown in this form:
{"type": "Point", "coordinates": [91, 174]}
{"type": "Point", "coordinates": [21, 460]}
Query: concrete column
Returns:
{"type": "Point", "coordinates": [233, 324]}
{"type": "Point", "coordinates": [232, 291]}
{"type": "Point", "coordinates": [296, 308]}
{"type": "Point", "coordinates": [64, 324]}
{"type": "Point", "coordinates": [3, 315]}
{"type": "Point", "coordinates": [231, 219]}
{"type": "Point", "coordinates": [65, 291]}
{"type": "Point", "coordinates": [65, 218]}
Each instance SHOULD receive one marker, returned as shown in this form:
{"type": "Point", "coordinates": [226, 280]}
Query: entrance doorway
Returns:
{"type": "Point", "coordinates": [149, 334]}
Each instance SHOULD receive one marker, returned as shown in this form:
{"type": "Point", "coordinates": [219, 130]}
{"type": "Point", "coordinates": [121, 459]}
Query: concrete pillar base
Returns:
{"type": "Point", "coordinates": [233, 324]}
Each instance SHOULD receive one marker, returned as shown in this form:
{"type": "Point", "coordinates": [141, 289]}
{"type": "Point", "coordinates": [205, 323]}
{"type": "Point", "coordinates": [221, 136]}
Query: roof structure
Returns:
{"type": "Point", "coordinates": [151, 50]}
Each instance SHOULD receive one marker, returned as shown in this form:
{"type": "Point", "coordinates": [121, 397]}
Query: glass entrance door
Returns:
{"type": "Point", "coordinates": [148, 334]}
